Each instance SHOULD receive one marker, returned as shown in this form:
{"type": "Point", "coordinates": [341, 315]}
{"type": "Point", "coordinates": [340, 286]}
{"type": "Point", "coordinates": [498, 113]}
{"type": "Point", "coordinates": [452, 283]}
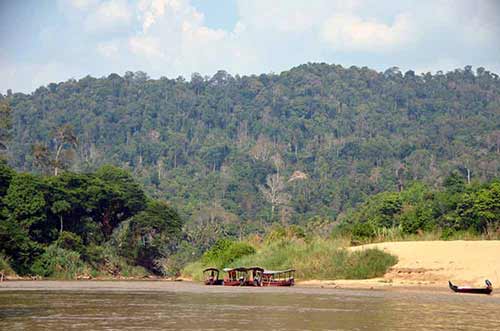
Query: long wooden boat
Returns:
{"type": "Point", "coordinates": [254, 276]}
{"type": "Point", "coordinates": [480, 290]}
{"type": "Point", "coordinates": [278, 278]}
{"type": "Point", "coordinates": [211, 276]}
{"type": "Point", "coordinates": [243, 276]}
{"type": "Point", "coordinates": [235, 276]}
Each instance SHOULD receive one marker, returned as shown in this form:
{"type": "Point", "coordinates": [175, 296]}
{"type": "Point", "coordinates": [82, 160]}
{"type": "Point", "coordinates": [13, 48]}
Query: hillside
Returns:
{"type": "Point", "coordinates": [237, 153]}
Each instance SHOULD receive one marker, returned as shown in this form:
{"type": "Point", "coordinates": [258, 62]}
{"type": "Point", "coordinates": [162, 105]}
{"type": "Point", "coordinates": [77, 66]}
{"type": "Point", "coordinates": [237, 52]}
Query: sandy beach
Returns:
{"type": "Point", "coordinates": [431, 264]}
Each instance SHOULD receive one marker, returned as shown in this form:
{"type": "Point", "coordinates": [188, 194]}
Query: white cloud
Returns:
{"type": "Point", "coordinates": [108, 49]}
{"type": "Point", "coordinates": [351, 33]}
{"type": "Point", "coordinates": [109, 15]}
{"type": "Point", "coordinates": [29, 76]}
{"type": "Point", "coordinates": [290, 15]}
{"type": "Point", "coordinates": [174, 36]}
{"type": "Point", "coordinates": [146, 46]}
{"type": "Point", "coordinates": [171, 37]}
{"type": "Point", "coordinates": [82, 4]}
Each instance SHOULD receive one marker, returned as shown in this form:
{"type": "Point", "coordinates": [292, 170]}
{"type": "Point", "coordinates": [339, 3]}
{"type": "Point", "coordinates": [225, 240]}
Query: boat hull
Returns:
{"type": "Point", "coordinates": [278, 283]}
{"type": "Point", "coordinates": [470, 290]}
{"type": "Point", "coordinates": [214, 282]}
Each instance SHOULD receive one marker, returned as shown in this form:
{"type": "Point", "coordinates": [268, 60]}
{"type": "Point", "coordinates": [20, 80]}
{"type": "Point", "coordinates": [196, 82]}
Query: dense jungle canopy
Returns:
{"type": "Point", "coordinates": [237, 153]}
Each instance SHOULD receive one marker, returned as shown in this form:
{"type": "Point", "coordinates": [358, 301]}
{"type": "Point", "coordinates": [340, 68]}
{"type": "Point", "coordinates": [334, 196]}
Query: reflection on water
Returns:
{"type": "Point", "coordinates": [239, 310]}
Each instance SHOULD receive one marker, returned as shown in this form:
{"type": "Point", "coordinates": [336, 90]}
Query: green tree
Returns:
{"type": "Point", "coordinates": [151, 235]}
{"type": "Point", "coordinates": [5, 127]}
{"type": "Point", "coordinates": [60, 208]}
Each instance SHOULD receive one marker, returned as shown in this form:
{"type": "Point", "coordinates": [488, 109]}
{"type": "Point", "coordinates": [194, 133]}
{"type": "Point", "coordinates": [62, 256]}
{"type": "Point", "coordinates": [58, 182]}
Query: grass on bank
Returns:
{"type": "Point", "coordinates": [5, 268]}
{"type": "Point", "coordinates": [315, 258]}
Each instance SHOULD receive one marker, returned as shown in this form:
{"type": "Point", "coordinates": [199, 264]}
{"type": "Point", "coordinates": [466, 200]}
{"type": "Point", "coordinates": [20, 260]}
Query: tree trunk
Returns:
{"type": "Point", "coordinates": [56, 161]}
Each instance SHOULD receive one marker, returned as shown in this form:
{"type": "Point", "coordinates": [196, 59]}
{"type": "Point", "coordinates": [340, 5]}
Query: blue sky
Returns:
{"type": "Point", "coordinates": [44, 41]}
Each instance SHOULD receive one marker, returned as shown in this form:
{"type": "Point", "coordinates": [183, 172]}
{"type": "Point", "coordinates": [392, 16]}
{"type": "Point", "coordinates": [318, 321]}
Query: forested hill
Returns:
{"type": "Point", "coordinates": [313, 140]}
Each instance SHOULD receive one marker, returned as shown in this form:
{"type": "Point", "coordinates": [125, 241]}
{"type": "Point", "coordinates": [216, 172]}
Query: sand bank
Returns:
{"type": "Point", "coordinates": [431, 264]}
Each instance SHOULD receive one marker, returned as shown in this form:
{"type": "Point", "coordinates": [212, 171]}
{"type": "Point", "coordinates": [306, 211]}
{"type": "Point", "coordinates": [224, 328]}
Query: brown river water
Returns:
{"type": "Point", "coordinates": [158, 305]}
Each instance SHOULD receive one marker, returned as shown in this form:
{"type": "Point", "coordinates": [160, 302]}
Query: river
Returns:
{"type": "Point", "coordinates": [187, 306]}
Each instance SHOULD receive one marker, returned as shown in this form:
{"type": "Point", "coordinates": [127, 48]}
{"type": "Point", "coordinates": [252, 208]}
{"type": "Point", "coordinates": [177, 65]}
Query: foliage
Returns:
{"type": "Point", "coordinates": [5, 267]}
{"type": "Point", "coordinates": [313, 259]}
{"type": "Point", "coordinates": [150, 235]}
{"type": "Point", "coordinates": [315, 140]}
{"type": "Point", "coordinates": [224, 252]}
{"type": "Point", "coordinates": [58, 262]}
{"type": "Point", "coordinates": [5, 127]}
{"type": "Point", "coordinates": [369, 263]}
{"type": "Point", "coordinates": [70, 241]}
{"type": "Point", "coordinates": [75, 215]}
{"type": "Point", "coordinates": [459, 208]}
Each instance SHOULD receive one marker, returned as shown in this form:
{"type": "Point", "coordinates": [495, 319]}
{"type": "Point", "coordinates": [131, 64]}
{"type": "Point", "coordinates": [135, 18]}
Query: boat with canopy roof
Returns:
{"type": "Point", "coordinates": [278, 277]}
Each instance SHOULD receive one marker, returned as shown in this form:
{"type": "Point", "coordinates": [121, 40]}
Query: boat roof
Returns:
{"type": "Point", "coordinates": [235, 269]}
{"type": "Point", "coordinates": [243, 269]}
{"type": "Point", "coordinates": [210, 269]}
{"type": "Point", "coordinates": [273, 272]}
{"type": "Point", "coordinates": [255, 268]}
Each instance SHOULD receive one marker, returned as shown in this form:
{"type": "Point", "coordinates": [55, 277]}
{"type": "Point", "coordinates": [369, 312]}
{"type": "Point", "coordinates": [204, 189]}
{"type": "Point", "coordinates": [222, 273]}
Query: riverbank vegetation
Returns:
{"type": "Point", "coordinates": [312, 256]}
{"type": "Point", "coordinates": [458, 211]}
{"type": "Point", "coordinates": [102, 224]}
{"type": "Point", "coordinates": [83, 224]}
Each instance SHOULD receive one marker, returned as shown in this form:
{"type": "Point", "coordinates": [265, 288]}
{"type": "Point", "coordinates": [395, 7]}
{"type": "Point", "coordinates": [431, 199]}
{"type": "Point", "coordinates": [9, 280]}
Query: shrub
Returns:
{"type": "Point", "coordinates": [94, 255]}
{"type": "Point", "coordinates": [58, 263]}
{"type": "Point", "coordinates": [71, 242]}
{"type": "Point", "coordinates": [5, 267]}
{"type": "Point", "coordinates": [361, 232]}
{"type": "Point", "coordinates": [226, 251]}
{"type": "Point", "coordinates": [369, 263]}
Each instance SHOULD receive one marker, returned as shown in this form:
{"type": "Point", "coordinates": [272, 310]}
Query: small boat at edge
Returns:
{"type": "Point", "coordinates": [211, 276]}
{"type": "Point", "coordinates": [475, 290]}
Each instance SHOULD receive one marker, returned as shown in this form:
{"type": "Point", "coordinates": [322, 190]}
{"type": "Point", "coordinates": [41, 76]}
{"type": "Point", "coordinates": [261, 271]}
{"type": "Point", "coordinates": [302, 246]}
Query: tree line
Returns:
{"type": "Point", "coordinates": [99, 223]}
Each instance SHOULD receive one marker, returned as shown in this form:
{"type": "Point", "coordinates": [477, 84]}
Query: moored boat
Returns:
{"type": "Point", "coordinates": [243, 276]}
{"type": "Point", "coordinates": [235, 276]}
{"type": "Point", "coordinates": [278, 278]}
{"type": "Point", "coordinates": [254, 276]}
{"type": "Point", "coordinates": [211, 276]}
{"type": "Point", "coordinates": [475, 290]}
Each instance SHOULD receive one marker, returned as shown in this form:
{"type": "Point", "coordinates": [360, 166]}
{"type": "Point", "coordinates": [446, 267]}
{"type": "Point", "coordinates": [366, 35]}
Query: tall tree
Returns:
{"type": "Point", "coordinates": [63, 138]}
{"type": "Point", "coordinates": [5, 128]}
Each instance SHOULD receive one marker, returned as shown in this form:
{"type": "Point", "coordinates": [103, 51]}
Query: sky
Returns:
{"type": "Point", "coordinates": [44, 41]}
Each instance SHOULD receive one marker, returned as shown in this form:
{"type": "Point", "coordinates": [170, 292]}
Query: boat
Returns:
{"type": "Point", "coordinates": [254, 276]}
{"type": "Point", "coordinates": [481, 290]}
{"type": "Point", "coordinates": [211, 276]}
{"type": "Point", "coordinates": [243, 276]}
{"type": "Point", "coordinates": [278, 278]}
{"type": "Point", "coordinates": [235, 276]}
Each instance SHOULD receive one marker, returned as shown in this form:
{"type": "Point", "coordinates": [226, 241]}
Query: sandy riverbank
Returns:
{"type": "Point", "coordinates": [431, 264]}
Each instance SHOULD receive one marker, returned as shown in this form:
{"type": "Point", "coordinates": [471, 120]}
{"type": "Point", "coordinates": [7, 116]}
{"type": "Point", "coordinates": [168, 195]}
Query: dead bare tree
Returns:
{"type": "Point", "coordinates": [274, 192]}
{"type": "Point", "coordinates": [63, 137]}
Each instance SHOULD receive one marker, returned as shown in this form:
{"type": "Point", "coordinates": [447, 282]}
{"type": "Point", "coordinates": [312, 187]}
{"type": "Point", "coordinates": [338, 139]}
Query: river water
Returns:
{"type": "Point", "coordinates": [171, 306]}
